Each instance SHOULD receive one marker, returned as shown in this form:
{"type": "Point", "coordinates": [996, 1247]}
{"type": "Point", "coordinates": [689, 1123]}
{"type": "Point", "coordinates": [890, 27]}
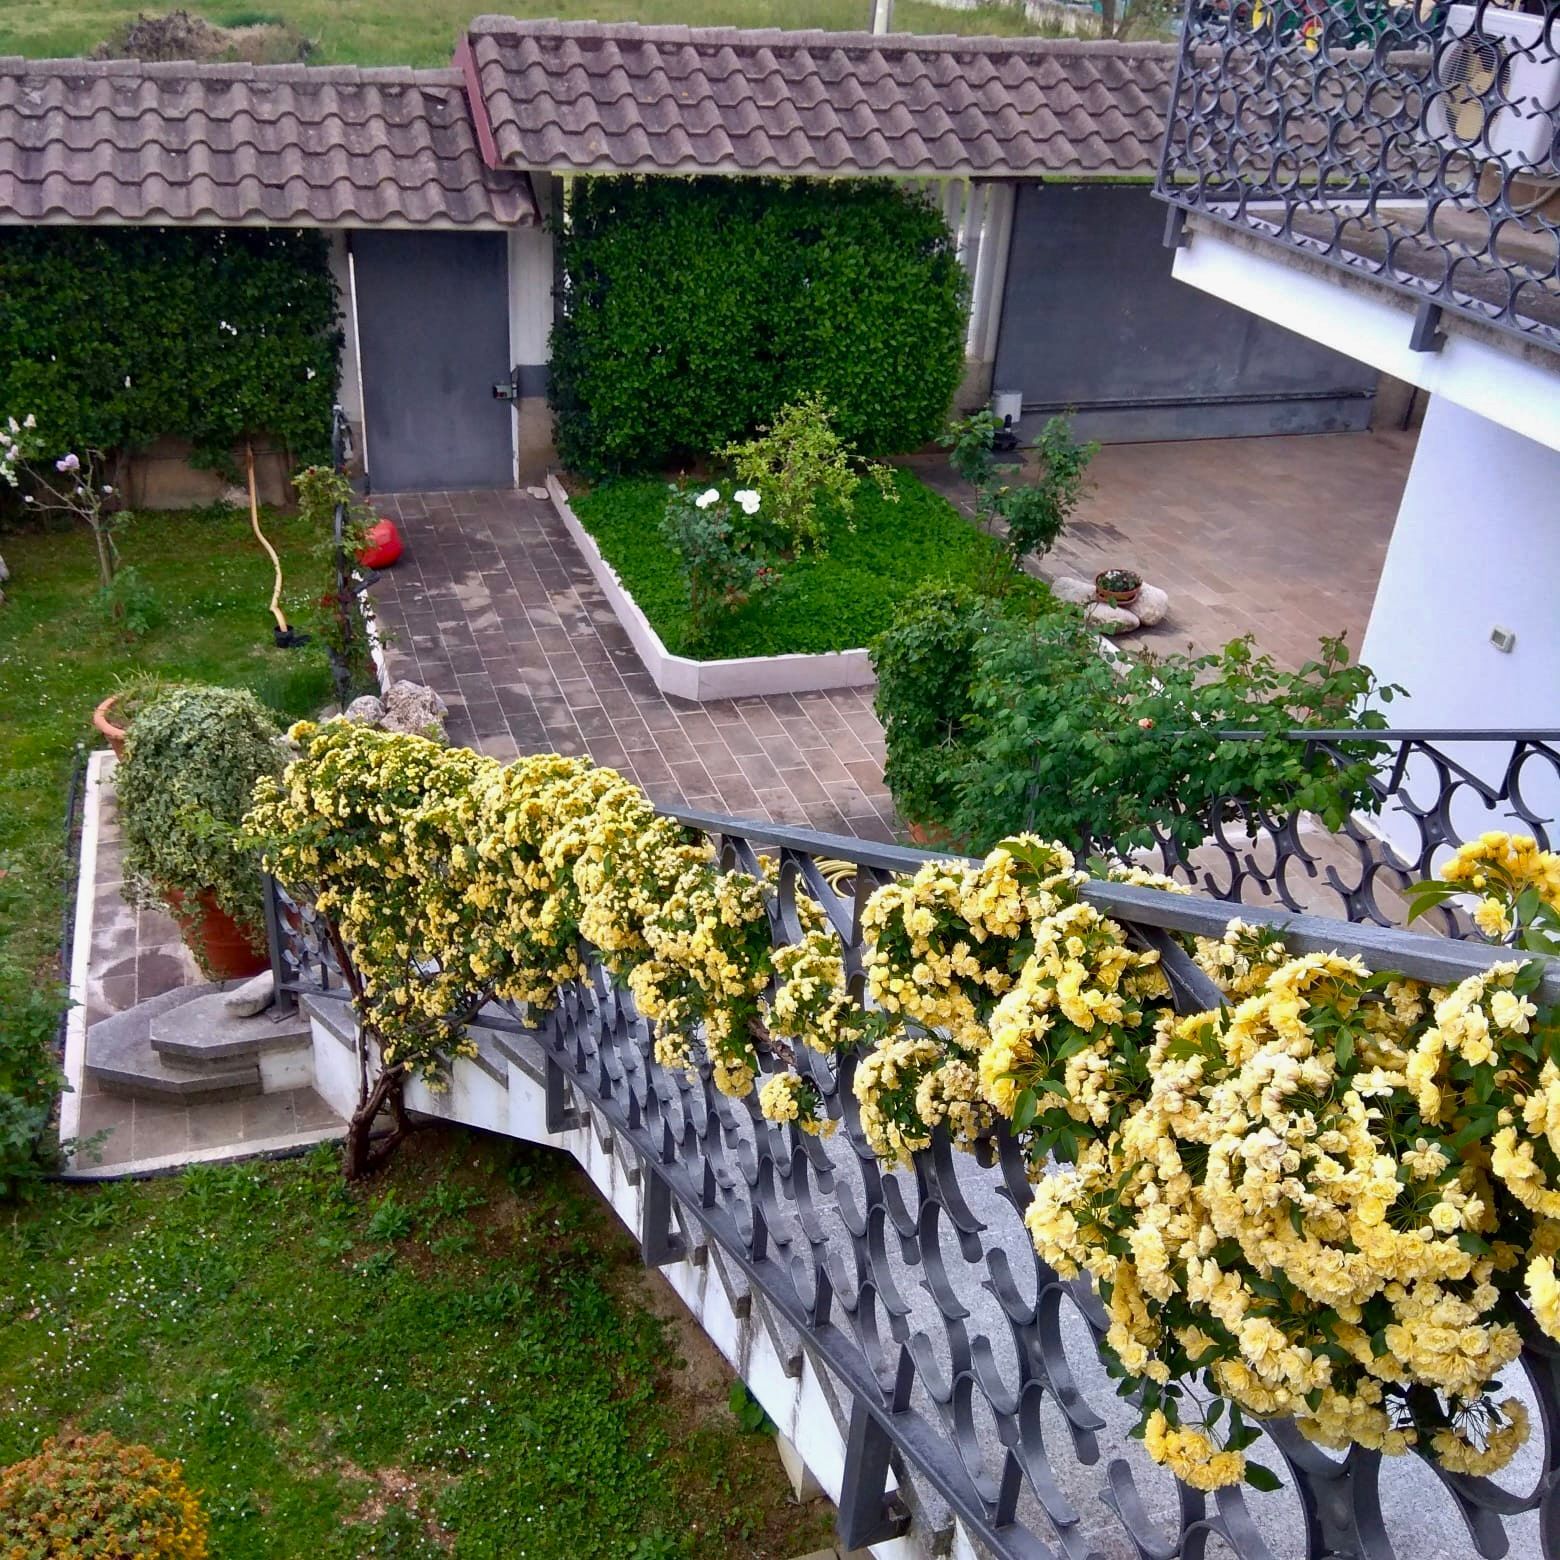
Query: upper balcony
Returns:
{"type": "Point", "coordinates": [1416, 146]}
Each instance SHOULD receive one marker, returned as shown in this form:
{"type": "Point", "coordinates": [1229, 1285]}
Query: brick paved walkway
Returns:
{"type": "Point", "coordinates": [494, 607]}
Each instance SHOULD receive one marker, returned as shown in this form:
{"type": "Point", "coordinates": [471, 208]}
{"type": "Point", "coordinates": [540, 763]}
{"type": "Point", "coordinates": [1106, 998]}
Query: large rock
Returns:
{"type": "Point", "coordinates": [1068, 588]}
{"type": "Point", "coordinates": [366, 711]}
{"type": "Point", "coordinates": [1106, 619]}
{"type": "Point", "coordinates": [1151, 607]}
{"type": "Point", "coordinates": [252, 998]}
{"type": "Point", "coordinates": [414, 709]}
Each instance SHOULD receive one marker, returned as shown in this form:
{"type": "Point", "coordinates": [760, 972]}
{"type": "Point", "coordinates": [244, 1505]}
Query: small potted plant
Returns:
{"type": "Point", "coordinates": [191, 761]}
{"type": "Point", "coordinates": [1117, 587]}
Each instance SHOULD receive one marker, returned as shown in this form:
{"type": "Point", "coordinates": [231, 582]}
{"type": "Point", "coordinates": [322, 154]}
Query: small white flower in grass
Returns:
{"type": "Point", "coordinates": [707, 497]}
{"type": "Point", "coordinates": [748, 499]}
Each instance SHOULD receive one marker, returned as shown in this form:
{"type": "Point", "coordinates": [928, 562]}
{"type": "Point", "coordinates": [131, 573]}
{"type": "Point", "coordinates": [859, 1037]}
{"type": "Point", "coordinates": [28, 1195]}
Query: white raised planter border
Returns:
{"type": "Point", "coordinates": [738, 678]}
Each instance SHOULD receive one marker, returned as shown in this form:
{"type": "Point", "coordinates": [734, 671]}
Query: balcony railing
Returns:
{"type": "Point", "coordinates": [955, 1358]}
{"type": "Point", "coordinates": [1433, 790]}
{"type": "Point", "coordinates": [1416, 144]}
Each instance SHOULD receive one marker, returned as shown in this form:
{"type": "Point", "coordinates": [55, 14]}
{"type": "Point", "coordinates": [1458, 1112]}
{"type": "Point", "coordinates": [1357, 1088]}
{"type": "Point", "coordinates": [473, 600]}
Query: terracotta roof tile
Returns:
{"type": "Point", "coordinates": [600, 97]}
{"type": "Point", "coordinates": [121, 141]}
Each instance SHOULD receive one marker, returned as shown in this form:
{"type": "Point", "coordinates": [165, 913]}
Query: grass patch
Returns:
{"type": "Point", "coordinates": [462, 1358]}
{"type": "Point", "coordinates": [59, 656]}
{"type": "Point", "coordinates": [424, 32]}
{"type": "Point", "coordinates": [839, 601]}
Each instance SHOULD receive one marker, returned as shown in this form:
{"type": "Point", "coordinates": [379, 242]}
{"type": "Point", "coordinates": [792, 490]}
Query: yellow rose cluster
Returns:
{"type": "Point", "coordinates": [1328, 1199]}
{"type": "Point", "coordinates": [1508, 886]}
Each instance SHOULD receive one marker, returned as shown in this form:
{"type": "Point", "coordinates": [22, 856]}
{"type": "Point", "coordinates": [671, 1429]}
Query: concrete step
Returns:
{"type": "Point", "coordinates": [202, 1032]}
{"type": "Point", "coordinates": [121, 1061]}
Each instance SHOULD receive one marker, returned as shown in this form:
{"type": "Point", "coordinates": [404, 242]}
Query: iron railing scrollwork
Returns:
{"type": "Point", "coordinates": [1416, 144]}
{"type": "Point", "coordinates": [966, 1365]}
{"type": "Point", "coordinates": [1433, 790]}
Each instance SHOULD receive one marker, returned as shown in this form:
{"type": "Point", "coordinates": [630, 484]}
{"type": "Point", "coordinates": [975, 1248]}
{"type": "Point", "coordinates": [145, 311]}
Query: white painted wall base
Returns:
{"type": "Point", "coordinates": [1476, 546]}
{"type": "Point", "coordinates": [801, 1401]}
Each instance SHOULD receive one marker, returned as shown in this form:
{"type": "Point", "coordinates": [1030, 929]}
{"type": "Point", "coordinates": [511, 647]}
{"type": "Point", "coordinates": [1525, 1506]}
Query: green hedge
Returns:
{"type": "Point", "coordinates": [115, 337]}
{"type": "Point", "coordinates": [698, 308]}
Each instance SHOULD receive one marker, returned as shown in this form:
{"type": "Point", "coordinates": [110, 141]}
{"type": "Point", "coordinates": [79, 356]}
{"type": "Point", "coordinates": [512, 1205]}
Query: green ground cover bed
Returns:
{"type": "Point", "coordinates": [60, 655]}
{"type": "Point", "coordinates": [839, 601]}
{"type": "Point", "coordinates": [464, 1357]}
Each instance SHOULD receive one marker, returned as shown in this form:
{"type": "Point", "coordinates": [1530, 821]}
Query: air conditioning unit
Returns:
{"type": "Point", "coordinates": [1496, 87]}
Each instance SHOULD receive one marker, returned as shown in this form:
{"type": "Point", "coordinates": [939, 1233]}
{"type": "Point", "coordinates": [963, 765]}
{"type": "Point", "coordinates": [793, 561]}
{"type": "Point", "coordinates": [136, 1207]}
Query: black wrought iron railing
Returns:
{"type": "Point", "coordinates": [961, 1361]}
{"type": "Point", "coordinates": [1433, 790]}
{"type": "Point", "coordinates": [1417, 144]}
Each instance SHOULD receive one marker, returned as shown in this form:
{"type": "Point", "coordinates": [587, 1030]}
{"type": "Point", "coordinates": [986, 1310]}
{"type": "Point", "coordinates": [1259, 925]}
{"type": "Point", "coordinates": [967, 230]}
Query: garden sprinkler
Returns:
{"type": "Point", "coordinates": [287, 637]}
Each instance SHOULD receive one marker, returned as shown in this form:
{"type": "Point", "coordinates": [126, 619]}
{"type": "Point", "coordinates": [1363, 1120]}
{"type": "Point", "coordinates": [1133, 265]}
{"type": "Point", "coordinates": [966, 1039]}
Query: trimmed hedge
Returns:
{"type": "Point", "coordinates": [698, 308]}
{"type": "Point", "coordinates": [115, 337]}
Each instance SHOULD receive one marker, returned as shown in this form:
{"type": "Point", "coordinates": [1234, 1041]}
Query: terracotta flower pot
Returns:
{"type": "Point", "coordinates": [929, 836]}
{"type": "Point", "coordinates": [1115, 598]}
{"type": "Point", "coordinates": [115, 735]}
{"type": "Point", "coordinates": [218, 942]}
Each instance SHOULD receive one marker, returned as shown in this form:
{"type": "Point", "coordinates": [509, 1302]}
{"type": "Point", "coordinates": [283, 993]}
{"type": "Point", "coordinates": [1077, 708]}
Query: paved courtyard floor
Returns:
{"type": "Point", "coordinates": [1282, 538]}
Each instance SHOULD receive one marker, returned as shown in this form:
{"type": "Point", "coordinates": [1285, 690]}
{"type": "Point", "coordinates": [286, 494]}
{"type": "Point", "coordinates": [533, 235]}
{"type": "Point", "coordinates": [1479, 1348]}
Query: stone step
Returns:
{"type": "Point", "coordinates": [121, 1061]}
{"type": "Point", "coordinates": [201, 1032]}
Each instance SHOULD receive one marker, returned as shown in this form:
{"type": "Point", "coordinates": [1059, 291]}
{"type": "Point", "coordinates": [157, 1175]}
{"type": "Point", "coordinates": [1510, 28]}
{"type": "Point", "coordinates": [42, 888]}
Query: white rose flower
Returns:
{"type": "Point", "coordinates": [748, 499]}
{"type": "Point", "coordinates": [707, 497]}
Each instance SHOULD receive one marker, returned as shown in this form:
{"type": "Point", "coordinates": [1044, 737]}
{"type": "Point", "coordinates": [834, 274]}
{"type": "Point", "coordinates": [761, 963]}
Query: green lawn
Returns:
{"type": "Point", "coordinates": [464, 1358]}
{"type": "Point", "coordinates": [423, 32]}
{"type": "Point", "coordinates": [59, 656]}
{"type": "Point", "coordinates": [839, 601]}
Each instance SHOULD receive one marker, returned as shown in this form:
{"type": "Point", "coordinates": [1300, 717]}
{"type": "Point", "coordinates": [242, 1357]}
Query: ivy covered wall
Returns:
{"type": "Point", "coordinates": [116, 337]}
{"type": "Point", "coordinates": [696, 308]}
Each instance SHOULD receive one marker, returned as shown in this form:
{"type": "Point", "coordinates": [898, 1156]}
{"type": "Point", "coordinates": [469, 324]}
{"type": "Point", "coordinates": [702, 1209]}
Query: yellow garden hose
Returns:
{"type": "Point", "coordinates": [254, 522]}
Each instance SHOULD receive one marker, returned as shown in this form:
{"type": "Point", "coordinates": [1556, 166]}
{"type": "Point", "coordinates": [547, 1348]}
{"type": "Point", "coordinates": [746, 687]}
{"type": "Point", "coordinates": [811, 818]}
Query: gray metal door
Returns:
{"type": "Point", "coordinates": [433, 339]}
{"type": "Point", "coordinates": [1093, 319]}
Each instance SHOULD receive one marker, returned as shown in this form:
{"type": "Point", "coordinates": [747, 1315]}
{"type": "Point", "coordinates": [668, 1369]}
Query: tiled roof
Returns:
{"type": "Point", "coordinates": [120, 141]}
{"type": "Point", "coordinates": [599, 96]}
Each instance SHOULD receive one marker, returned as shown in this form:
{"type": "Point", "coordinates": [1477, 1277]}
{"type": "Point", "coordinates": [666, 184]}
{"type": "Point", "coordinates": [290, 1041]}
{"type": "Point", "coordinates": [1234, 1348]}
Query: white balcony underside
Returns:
{"type": "Point", "coordinates": [1354, 315]}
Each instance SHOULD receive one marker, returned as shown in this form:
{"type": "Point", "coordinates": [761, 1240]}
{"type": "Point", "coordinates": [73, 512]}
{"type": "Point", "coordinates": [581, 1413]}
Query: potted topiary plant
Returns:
{"type": "Point", "coordinates": [191, 762]}
{"type": "Point", "coordinates": [1117, 587]}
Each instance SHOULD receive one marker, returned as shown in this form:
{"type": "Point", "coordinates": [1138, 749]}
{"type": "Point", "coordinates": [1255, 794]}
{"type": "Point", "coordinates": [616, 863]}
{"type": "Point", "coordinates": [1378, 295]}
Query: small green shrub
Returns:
{"type": "Point", "coordinates": [997, 722]}
{"type": "Point", "coordinates": [806, 473]}
{"type": "Point", "coordinates": [30, 1077]}
{"type": "Point", "coordinates": [924, 664]}
{"type": "Point", "coordinates": [191, 762]}
{"type": "Point", "coordinates": [89, 1497]}
{"type": "Point", "coordinates": [1037, 512]}
{"type": "Point", "coordinates": [698, 308]}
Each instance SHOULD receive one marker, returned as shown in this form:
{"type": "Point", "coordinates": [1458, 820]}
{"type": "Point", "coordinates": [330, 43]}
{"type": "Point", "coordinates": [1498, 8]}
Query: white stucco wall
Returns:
{"type": "Point", "coordinates": [1476, 545]}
